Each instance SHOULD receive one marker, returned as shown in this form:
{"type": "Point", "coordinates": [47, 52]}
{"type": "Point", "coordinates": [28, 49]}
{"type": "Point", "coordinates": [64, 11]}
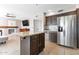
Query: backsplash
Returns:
{"type": "Point", "coordinates": [53, 27]}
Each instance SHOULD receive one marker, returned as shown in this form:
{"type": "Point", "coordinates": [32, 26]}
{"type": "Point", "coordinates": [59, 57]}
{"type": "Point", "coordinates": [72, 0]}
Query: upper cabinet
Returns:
{"type": "Point", "coordinates": [54, 20]}
{"type": "Point", "coordinates": [50, 20]}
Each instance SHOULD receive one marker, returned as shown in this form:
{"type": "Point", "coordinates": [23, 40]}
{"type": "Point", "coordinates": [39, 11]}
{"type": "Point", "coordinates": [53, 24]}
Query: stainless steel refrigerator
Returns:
{"type": "Point", "coordinates": [67, 34]}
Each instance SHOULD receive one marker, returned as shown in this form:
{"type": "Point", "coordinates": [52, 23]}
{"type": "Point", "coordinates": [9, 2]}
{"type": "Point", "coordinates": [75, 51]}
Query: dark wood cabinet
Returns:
{"type": "Point", "coordinates": [41, 42]}
{"type": "Point", "coordinates": [37, 44]}
{"type": "Point", "coordinates": [50, 20]}
{"type": "Point", "coordinates": [34, 45]}
{"type": "Point", "coordinates": [77, 12]}
{"type": "Point", "coordinates": [54, 20]}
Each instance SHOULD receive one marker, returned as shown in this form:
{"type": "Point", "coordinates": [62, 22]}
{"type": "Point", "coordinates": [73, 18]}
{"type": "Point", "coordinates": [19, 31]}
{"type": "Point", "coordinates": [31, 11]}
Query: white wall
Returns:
{"type": "Point", "coordinates": [77, 6]}
{"type": "Point", "coordinates": [3, 22]}
{"type": "Point", "coordinates": [6, 22]}
{"type": "Point", "coordinates": [29, 11]}
{"type": "Point", "coordinates": [31, 24]}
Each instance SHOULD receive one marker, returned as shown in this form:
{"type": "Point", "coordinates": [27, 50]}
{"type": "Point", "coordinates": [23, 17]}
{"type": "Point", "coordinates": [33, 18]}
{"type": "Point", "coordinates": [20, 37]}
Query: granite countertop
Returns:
{"type": "Point", "coordinates": [23, 34]}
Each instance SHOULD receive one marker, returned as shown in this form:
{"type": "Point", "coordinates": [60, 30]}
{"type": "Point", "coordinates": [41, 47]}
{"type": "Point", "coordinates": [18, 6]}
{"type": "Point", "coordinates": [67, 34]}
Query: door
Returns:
{"type": "Point", "coordinates": [68, 30]}
{"type": "Point", "coordinates": [61, 24]}
{"type": "Point", "coordinates": [74, 32]}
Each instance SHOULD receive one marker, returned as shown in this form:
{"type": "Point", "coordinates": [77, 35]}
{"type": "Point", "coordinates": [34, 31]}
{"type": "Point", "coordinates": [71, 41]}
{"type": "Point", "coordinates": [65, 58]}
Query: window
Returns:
{"type": "Point", "coordinates": [10, 31]}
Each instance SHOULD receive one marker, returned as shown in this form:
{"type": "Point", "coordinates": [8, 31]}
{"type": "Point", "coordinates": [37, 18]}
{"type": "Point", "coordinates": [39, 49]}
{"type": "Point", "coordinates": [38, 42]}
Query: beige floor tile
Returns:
{"type": "Point", "coordinates": [11, 47]}
{"type": "Point", "coordinates": [54, 49]}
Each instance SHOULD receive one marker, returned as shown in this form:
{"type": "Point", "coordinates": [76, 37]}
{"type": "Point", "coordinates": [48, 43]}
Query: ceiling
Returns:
{"type": "Point", "coordinates": [32, 10]}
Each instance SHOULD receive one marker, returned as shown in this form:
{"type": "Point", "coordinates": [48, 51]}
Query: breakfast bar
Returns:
{"type": "Point", "coordinates": [31, 43]}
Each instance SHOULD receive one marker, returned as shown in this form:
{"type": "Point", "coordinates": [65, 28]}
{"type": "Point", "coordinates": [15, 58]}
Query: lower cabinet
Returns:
{"type": "Point", "coordinates": [41, 42]}
{"type": "Point", "coordinates": [32, 45]}
{"type": "Point", "coordinates": [37, 44]}
{"type": "Point", "coordinates": [34, 42]}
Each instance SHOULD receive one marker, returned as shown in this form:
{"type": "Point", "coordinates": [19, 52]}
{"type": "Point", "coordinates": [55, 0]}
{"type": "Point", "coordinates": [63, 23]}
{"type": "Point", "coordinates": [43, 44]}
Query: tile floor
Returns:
{"type": "Point", "coordinates": [54, 49]}
{"type": "Point", "coordinates": [12, 47]}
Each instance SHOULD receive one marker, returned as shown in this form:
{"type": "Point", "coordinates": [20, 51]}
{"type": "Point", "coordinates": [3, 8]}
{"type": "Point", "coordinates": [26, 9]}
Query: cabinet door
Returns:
{"type": "Point", "coordinates": [49, 21]}
{"type": "Point", "coordinates": [34, 45]}
{"type": "Point", "coordinates": [41, 42]}
{"type": "Point", "coordinates": [77, 21]}
{"type": "Point", "coordinates": [54, 21]}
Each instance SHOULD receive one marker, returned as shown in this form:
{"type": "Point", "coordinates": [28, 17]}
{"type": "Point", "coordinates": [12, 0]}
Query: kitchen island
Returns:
{"type": "Point", "coordinates": [32, 43]}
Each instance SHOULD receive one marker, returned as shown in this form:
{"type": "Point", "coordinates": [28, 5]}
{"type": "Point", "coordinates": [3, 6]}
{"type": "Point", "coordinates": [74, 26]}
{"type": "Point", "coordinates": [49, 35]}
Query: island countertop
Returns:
{"type": "Point", "coordinates": [32, 43]}
{"type": "Point", "coordinates": [23, 34]}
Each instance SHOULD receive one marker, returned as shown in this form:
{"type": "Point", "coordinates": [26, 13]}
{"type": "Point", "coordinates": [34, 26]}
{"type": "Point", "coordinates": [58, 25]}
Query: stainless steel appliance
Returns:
{"type": "Point", "coordinates": [67, 34]}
